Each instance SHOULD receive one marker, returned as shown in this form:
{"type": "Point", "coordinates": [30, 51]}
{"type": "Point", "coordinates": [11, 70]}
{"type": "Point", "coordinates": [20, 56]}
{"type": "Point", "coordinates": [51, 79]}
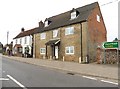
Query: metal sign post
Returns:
{"type": "Point", "coordinates": [110, 45]}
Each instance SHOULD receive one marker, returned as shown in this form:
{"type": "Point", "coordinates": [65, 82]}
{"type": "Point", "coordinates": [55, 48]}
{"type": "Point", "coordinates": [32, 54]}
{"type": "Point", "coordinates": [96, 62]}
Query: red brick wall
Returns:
{"type": "Point", "coordinates": [97, 29]}
{"type": "Point", "coordinates": [96, 32]}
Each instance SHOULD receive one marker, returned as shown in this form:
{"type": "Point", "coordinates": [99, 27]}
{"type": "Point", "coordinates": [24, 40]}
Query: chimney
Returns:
{"type": "Point", "coordinates": [22, 29]}
{"type": "Point", "coordinates": [41, 24]}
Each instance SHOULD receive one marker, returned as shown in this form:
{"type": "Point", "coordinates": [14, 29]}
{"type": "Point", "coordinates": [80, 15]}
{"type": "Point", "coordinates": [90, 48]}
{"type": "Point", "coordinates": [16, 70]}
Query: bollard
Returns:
{"type": "Point", "coordinates": [79, 59]}
{"type": "Point", "coordinates": [50, 57]}
{"type": "Point", "coordinates": [63, 58]}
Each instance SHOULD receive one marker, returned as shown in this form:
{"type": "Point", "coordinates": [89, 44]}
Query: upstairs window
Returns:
{"type": "Point", "coordinates": [43, 36]}
{"type": "Point", "coordinates": [21, 41]}
{"type": "Point", "coordinates": [16, 41]}
{"type": "Point", "coordinates": [98, 18]}
{"type": "Point", "coordinates": [69, 30]}
{"type": "Point", "coordinates": [25, 40]}
{"type": "Point", "coordinates": [55, 33]}
{"type": "Point", "coordinates": [73, 15]}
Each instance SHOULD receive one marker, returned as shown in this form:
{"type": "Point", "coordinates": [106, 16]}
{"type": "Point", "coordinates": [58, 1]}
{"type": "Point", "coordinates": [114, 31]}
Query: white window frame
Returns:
{"type": "Point", "coordinates": [43, 36]}
{"type": "Point", "coordinates": [68, 48]}
{"type": "Point", "coordinates": [55, 33]}
{"type": "Point", "coordinates": [41, 50]}
{"type": "Point", "coordinates": [46, 23]}
{"type": "Point", "coordinates": [98, 18]}
{"type": "Point", "coordinates": [20, 40]}
{"type": "Point", "coordinates": [16, 41]}
{"type": "Point", "coordinates": [69, 30]}
{"type": "Point", "coordinates": [25, 40]}
{"type": "Point", "coordinates": [73, 15]}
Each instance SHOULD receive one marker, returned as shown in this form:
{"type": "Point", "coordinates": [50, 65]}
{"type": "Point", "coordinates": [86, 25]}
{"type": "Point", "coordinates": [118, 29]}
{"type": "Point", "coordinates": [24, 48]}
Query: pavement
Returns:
{"type": "Point", "coordinates": [108, 71]}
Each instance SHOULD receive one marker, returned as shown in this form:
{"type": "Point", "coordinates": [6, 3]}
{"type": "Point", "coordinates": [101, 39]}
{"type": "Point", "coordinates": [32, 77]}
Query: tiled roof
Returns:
{"type": "Point", "coordinates": [26, 33]}
{"type": "Point", "coordinates": [64, 19]}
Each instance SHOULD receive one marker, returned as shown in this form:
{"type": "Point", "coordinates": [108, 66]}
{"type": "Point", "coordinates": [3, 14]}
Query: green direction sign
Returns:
{"type": "Point", "coordinates": [110, 45]}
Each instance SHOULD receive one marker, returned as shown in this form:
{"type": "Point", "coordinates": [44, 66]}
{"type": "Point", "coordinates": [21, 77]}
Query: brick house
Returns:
{"type": "Point", "coordinates": [71, 36]}
{"type": "Point", "coordinates": [24, 40]}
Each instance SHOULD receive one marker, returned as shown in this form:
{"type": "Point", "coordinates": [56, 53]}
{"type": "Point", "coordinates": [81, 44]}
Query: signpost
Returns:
{"type": "Point", "coordinates": [110, 45]}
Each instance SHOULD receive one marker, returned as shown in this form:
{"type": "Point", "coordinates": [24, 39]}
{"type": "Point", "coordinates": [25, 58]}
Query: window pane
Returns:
{"type": "Point", "coordinates": [42, 50]}
{"type": "Point", "coordinates": [55, 33]}
{"type": "Point", "coordinates": [71, 30]}
{"type": "Point", "coordinates": [98, 18]}
{"type": "Point", "coordinates": [25, 40]}
{"type": "Point", "coordinates": [43, 35]}
{"type": "Point", "coordinates": [16, 41]}
{"type": "Point", "coordinates": [73, 15]}
{"type": "Point", "coordinates": [46, 23]}
{"type": "Point", "coordinates": [66, 31]}
{"type": "Point", "coordinates": [67, 49]}
{"type": "Point", "coordinates": [71, 49]}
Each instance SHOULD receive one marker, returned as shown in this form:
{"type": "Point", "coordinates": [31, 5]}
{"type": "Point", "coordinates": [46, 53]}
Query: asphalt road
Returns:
{"type": "Point", "coordinates": [18, 74]}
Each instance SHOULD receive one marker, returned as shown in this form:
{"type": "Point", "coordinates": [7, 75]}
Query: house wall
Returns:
{"type": "Point", "coordinates": [70, 40]}
{"type": "Point", "coordinates": [65, 40]}
{"type": "Point", "coordinates": [28, 43]}
{"type": "Point", "coordinates": [96, 32]}
{"type": "Point", "coordinates": [93, 34]}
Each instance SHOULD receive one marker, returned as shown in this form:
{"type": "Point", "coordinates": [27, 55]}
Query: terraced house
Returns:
{"type": "Point", "coordinates": [71, 36]}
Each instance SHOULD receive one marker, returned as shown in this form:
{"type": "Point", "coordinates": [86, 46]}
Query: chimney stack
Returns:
{"type": "Point", "coordinates": [22, 29]}
{"type": "Point", "coordinates": [41, 24]}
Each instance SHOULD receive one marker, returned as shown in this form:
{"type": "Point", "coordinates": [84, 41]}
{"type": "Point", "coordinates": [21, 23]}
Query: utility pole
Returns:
{"type": "Point", "coordinates": [7, 36]}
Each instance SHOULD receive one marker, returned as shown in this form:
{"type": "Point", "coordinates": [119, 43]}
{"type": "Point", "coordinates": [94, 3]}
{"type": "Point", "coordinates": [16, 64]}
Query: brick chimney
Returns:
{"type": "Point", "coordinates": [22, 29]}
{"type": "Point", "coordinates": [41, 24]}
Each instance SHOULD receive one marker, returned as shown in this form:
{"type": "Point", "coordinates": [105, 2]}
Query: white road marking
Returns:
{"type": "Point", "coordinates": [16, 81]}
{"type": "Point", "coordinates": [2, 79]}
{"type": "Point", "coordinates": [89, 77]}
{"type": "Point", "coordinates": [109, 82]}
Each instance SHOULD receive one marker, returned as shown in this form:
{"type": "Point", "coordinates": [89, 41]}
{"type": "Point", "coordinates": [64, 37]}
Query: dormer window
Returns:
{"type": "Point", "coordinates": [47, 22]}
{"type": "Point", "coordinates": [74, 13]}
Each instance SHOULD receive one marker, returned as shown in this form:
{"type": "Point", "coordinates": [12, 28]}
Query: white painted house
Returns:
{"type": "Point", "coordinates": [22, 42]}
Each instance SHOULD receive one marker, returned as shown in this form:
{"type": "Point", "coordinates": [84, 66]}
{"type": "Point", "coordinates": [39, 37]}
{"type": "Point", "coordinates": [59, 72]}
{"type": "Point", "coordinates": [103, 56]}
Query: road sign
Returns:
{"type": "Point", "coordinates": [110, 45]}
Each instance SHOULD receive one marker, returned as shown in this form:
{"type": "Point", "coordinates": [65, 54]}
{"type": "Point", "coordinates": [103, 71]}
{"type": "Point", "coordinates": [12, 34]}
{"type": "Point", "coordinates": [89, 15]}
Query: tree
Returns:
{"type": "Point", "coordinates": [116, 39]}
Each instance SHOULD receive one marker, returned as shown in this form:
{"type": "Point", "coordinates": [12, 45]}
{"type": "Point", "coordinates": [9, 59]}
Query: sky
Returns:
{"type": "Point", "coordinates": [15, 14]}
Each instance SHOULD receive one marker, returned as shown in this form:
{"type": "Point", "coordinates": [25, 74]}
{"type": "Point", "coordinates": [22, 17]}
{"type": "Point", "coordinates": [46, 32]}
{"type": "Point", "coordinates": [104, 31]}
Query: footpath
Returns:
{"type": "Point", "coordinates": [108, 71]}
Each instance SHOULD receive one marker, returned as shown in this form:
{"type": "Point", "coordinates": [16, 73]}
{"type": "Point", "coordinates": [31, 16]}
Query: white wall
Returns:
{"type": "Point", "coordinates": [29, 43]}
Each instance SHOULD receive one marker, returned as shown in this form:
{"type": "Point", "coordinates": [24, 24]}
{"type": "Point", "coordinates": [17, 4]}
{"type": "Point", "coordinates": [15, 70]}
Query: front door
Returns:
{"type": "Point", "coordinates": [56, 52]}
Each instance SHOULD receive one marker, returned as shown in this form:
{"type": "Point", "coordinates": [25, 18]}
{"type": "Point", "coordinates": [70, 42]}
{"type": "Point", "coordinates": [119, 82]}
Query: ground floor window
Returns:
{"type": "Point", "coordinates": [42, 50]}
{"type": "Point", "coordinates": [69, 50]}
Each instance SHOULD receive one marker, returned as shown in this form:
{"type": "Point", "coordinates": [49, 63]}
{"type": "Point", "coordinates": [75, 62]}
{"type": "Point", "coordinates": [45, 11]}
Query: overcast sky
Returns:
{"type": "Point", "coordinates": [15, 14]}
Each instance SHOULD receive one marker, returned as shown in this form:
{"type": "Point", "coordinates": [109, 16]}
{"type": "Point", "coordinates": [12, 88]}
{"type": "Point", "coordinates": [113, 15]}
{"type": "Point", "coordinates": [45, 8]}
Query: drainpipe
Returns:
{"type": "Point", "coordinates": [34, 47]}
{"type": "Point", "coordinates": [46, 52]}
{"type": "Point", "coordinates": [81, 43]}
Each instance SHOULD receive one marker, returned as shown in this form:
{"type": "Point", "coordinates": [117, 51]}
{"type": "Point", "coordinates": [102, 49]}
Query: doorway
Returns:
{"type": "Point", "coordinates": [56, 52]}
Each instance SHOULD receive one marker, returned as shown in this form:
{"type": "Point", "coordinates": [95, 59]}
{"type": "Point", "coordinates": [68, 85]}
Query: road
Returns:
{"type": "Point", "coordinates": [18, 74]}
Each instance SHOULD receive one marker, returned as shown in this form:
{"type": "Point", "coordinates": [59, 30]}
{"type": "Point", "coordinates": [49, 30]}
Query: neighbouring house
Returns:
{"type": "Point", "coordinates": [23, 43]}
{"type": "Point", "coordinates": [71, 36]}
{"type": "Point", "coordinates": [7, 49]}
{"type": "Point", "coordinates": [1, 47]}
